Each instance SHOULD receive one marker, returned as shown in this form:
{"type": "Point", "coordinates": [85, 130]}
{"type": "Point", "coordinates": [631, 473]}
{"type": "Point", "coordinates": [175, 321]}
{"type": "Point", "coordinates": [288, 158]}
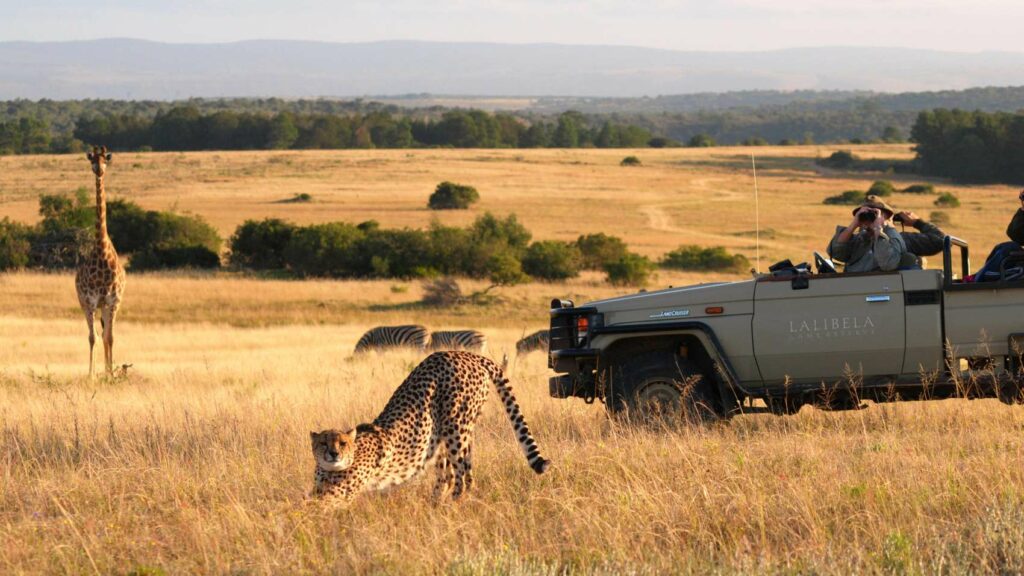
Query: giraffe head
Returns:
{"type": "Point", "coordinates": [99, 158]}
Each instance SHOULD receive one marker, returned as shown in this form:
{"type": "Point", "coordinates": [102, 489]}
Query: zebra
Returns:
{"type": "Point", "coordinates": [536, 341]}
{"type": "Point", "coordinates": [384, 337]}
{"type": "Point", "coordinates": [458, 340]}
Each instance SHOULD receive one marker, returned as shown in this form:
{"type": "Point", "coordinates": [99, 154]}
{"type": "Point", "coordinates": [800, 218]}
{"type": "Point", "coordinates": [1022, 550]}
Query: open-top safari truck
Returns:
{"type": "Point", "coordinates": [794, 337]}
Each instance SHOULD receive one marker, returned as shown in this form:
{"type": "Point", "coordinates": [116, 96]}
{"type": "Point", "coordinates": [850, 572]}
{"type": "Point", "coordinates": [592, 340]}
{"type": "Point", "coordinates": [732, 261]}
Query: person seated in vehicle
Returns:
{"type": "Point", "coordinates": [869, 243]}
{"type": "Point", "coordinates": [1006, 262]}
{"type": "Point", "coordinates": [927, 241]}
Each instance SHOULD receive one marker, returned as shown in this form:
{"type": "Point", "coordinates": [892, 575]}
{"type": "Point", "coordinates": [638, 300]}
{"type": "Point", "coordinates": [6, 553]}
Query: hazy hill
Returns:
{"type": "Point", "coordinates": [136, 69]}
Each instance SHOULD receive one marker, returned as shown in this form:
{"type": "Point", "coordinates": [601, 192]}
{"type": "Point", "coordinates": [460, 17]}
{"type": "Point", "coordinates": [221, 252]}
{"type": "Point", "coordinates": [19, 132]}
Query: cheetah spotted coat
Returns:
{"type": "Point", "coordinates": [430, 417]}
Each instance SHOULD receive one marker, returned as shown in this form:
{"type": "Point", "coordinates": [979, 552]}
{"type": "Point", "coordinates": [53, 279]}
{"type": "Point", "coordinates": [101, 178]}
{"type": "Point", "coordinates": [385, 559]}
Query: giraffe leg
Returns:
{"type": "Point", "coordinates": [90, 320]}
{"type": "Point", "coordinates": [108, 337]}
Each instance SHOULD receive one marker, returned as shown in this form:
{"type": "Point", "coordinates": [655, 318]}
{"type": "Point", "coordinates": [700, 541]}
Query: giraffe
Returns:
{"type": "Point", "coordinates": [100, 278]}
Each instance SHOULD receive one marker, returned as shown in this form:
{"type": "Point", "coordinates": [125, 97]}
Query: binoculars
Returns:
{"type": "Point", "coordinates": [866, 217]}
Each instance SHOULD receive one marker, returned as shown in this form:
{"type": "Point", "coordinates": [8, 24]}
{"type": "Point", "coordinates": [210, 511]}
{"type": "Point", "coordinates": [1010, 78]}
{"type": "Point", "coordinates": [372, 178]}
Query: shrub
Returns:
{"type": "Point", "coordinates": [15, 244]}
{"type": "Point", "coordinates": [130, 227]}
{"type": "Point", "coordinates": [630, 161]}
{"type": "Point", "coordinates": [66, 230]}
{"type": "Point", "coordinates": [701, 141]}
{"type": "Point", "coordinates": [300, 198]}
{"type": "Point", "coordinates": [442, 292]}
{"type": "Point", "coordinates": [630, 270]}
{"type": "Point", "coordinates": [919, 189]}
{"type": "Point", "coordinates": [392, 254]}
{"type": "Point", "coordinates": [697, 258]}
{"type": "Point", "coordinates": [947, 200]}
{"type": "Point", "coordinates": [261, 244]}
{"type": "Point", "coordinates": [552, 260]}
{"type": "Point", "coordinates": [839, 160]}
{"type": "Point", "coordinates": [322, 250]}
{"type": "Point", "coordinates": [848, 198]}
{"type": "Point", "coordinates": [939, 218]}
{"type": "Point", "coordinates": [452, 196]}
{"type": "Point", "coordinates": [882, 188]}
{"type": "Point", "coordinates": [662, 142]}
{"type": "Point", "coordinates": [596, 250]}
{"type": "Point", "coordinates": [504, 269]}
{"type": "Point", "coordinates": [754, 141]}
{"type": "Point", "coordinates": [175, 257]}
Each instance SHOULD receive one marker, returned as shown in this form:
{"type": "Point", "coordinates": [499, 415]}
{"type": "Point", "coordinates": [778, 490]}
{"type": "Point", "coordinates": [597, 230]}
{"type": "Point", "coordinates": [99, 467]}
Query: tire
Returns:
{"type": "Point", "coordinates": [659, 385]}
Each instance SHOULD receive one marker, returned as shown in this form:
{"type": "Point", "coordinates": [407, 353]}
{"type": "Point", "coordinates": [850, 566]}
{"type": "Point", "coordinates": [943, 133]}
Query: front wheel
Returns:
{"type": "Point", "coordinates": [660, 386]}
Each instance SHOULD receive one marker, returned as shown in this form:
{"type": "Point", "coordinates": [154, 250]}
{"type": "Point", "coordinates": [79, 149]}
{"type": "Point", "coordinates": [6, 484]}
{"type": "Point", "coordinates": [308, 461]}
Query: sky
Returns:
{"type": "Point", "coordinates": [742, 25]}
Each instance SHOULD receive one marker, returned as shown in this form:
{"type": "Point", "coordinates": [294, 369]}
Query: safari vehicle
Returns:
{"type": "Point", "coordinates": [793, 337]}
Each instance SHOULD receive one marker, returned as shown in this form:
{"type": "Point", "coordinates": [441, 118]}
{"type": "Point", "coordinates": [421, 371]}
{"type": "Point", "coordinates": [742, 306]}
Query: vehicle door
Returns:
{"type": "Point", "coordinates": [829, 327]}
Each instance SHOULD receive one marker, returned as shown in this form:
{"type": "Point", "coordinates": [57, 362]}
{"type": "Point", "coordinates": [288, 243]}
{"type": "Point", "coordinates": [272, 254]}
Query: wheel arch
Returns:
{"type": "Point", "coordinates": [697, 343]}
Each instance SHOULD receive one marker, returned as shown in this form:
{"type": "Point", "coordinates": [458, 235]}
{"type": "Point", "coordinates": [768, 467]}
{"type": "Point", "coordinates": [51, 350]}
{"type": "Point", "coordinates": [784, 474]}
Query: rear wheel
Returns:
{"type": "Point", "coordinates": [660, 386]}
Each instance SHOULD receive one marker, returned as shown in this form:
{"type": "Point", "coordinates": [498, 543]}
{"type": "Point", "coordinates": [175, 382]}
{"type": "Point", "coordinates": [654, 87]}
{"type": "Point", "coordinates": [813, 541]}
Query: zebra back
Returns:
{"type": "Point", "coordinates": [384, 337]}
{"type": "Point", "coordinates": [536, 341]}
{"type": "Point", "coordinates": [458, 340]}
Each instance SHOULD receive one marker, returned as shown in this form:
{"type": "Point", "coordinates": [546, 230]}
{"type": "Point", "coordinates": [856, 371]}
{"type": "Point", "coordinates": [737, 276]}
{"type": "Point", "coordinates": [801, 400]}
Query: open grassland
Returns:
{"type": "Point", "coordinates": [198, 460]}
{"type": "Point", "coordinates": [678, 196]}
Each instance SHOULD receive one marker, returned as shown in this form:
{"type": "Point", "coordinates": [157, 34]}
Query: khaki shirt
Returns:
{"type": "Point", "coordinates": [862, 253]}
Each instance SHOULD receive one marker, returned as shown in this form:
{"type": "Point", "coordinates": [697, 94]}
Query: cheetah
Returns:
{"type": "Point", "coordinates": [430, 417]}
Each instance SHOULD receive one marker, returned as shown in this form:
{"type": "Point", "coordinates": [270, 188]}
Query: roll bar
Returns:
{"type": "Point", "coordinates": [947, 259]}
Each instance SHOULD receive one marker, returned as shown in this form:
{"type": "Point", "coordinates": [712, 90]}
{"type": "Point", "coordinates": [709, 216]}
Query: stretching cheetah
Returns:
{"type": "Point", "coordinates": [430, 417]}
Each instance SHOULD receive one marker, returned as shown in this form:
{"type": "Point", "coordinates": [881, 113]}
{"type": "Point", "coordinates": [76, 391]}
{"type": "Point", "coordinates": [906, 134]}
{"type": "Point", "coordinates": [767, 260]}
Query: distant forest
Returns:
{"type": "Point", "coordinates": [753, 118]}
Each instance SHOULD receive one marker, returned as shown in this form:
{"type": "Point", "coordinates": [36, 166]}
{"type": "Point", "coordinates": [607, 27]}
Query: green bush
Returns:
{"type": "Point", "coordinates": [504, 269]}
{"type": "Point", "coordinates": [452, 196]}
{"type": "Point", "coordinates": [552, 260]}
{"type": "Point", "coordinates": [322, 250]}
{"type": "Point", "coordinates": [261, 244]}
{"type": "Point", "coordinates": [919, 189]}
{"type": "Point", "coordinates": [630, 270]}
{"type": "Point", "coordinates": [848, 198]}
{"type": "Point", "coordinates": [66, 230]}
{"type": "Point", "coordinates": [392, 254]}
{"type": "Point", "coordinates": [697, 258]}
{"type": "Point", "coordinates": [630, 161]}
{"type": "Point", "coordinates": [947, 200]}
{"type": "Point", "coordinates": [840, 160]}
{"type": "Point", "coordinates": [599, 249]}
{"type": "Point", "coordinates": [882, 188]}
{"type": "Point", "coordinates": [701, 141]}
{"type": "Point", "coordinates": [754, 141]}
{"type": "Point", "coordinates": [15, 244]}
{"type": "Point", "coordinates": [174, 257]}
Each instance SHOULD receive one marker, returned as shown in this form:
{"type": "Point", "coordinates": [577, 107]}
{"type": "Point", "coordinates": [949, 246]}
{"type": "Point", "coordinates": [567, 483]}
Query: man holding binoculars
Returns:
{"type": "Point", "coordinates": [869, 243]}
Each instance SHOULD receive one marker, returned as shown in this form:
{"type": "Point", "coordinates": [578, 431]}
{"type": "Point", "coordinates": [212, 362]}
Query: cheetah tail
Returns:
{"type": "Point", "coordinates": [526, 442]}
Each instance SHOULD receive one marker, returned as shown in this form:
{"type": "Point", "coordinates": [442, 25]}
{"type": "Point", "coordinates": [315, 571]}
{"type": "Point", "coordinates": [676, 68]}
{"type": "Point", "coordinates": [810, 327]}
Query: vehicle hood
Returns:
{"type": "Point", "coordinates": [678, 304]}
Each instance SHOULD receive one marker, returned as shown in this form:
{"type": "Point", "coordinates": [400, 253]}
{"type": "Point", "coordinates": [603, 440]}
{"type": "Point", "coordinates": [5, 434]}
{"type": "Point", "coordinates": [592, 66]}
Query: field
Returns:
{"type": "Point", "coordinates": [197, 460]}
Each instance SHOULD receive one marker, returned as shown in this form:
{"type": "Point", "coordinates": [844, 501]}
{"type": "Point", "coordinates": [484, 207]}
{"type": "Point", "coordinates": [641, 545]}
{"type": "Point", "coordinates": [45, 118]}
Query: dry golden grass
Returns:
{"type": "Point", "coordinates": [198, 460]}
{"type": "Point", "coordinates": [678, 196]}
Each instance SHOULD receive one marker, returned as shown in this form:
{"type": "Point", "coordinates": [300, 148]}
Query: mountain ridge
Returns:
{"type": "Point", "coordinates": [127, 68]}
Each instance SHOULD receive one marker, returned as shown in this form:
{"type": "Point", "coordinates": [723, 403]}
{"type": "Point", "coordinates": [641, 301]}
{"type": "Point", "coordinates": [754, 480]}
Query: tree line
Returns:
{"type": "Point", "coordinates": [970, 146]}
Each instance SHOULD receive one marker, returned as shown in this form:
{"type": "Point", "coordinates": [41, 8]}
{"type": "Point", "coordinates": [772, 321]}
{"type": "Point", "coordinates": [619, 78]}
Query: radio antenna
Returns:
{"type": "Point", "coordinates": [757, 218]}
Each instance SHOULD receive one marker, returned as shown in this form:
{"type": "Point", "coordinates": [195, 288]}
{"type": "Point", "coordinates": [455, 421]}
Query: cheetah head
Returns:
{"type": "Point", "coordinates": [334, 450]}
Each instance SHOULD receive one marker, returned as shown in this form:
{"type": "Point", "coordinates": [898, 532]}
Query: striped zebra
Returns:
{"type": "Point", "coordinates": [458, 340]}
{"type": "Point", "coordinates": [536, 341]}
{"type": "Point", "coordinates": [385, 337]}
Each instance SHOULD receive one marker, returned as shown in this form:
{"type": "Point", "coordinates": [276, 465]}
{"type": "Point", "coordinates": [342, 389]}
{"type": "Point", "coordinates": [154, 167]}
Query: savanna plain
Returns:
{"type": "Point", "coordinates": [197, 459]}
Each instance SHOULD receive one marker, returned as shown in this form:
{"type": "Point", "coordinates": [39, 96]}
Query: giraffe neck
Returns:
{"type": "Point", "coordinates": [101, 214]}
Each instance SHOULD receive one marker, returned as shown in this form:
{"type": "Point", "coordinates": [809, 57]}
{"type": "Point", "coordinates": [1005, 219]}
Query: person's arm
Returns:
{"type": "Point", "coordinates": [889, 249]}
{"type": "Point", "coordinates": [843, 242]}
{"type": "Point", "coordinates": [1016, 228]}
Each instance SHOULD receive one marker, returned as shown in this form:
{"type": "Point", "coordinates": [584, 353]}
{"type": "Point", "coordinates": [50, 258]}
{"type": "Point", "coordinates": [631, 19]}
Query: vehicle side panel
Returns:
{"type": "Point", "coordinates": [979, 322]}
{"type": "Point", "coordinates": [836, 327]}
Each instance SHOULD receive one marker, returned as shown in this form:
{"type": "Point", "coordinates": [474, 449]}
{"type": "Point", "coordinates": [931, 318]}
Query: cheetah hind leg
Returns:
{"type": "Point", "coordinates": [444, 483]}
{"type": "Point", "coordinates": [464, 471]}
